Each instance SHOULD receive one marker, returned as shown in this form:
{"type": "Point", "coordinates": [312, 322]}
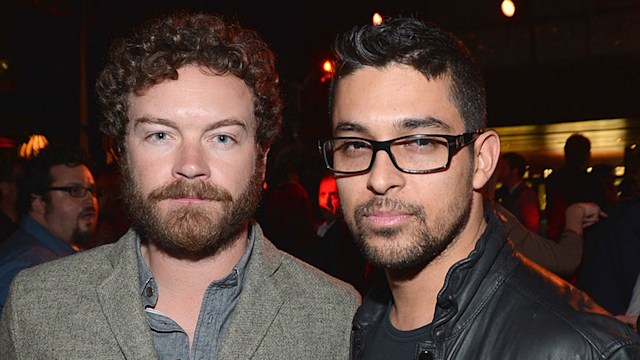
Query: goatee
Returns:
{"type": "Point", "coordinates": [191, 231]}
{"type": "Point", "coordinates": [407, 250]}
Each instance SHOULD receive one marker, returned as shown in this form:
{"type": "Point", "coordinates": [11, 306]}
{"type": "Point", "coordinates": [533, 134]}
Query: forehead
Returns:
{"type": "Point", "coordinates": [63, 174]}
{"type": "Point", "coordinates": [396, 97]}
{"type": "Point", "coordinates": [197, 95]}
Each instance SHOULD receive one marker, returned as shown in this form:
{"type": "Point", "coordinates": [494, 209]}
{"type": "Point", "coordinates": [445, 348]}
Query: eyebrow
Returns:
{"type": "Point", "coordinates": [160, 121]}
{"type": "Point", "coordinates": [421, 123]}
{"type": "Point", "coordinates": [349, 126]}
{"type": "Point", "coordinates": [428, 122]}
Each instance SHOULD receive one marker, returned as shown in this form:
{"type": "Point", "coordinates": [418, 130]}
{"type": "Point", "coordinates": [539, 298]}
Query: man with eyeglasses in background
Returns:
{"type": "Point", "coordinates": [411, 157]}
{"type": "Point", "coordinates": [57, 197]}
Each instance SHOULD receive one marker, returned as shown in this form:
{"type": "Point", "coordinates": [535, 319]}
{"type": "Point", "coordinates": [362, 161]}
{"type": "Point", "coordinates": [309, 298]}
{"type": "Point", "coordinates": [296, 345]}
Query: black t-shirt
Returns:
{"type": "Point", "coordinates": [388, 343]}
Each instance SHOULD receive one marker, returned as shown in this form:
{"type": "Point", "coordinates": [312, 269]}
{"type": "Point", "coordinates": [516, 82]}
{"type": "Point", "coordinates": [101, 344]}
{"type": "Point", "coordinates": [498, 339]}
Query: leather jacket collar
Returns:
{"type": "Point", "coordinates": [460, 287]}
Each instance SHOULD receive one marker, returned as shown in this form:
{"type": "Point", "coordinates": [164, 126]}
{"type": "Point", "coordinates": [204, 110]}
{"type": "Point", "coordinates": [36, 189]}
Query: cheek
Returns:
{"type": "Point", "coordinates": [233, 175]}
{"type": "Point", "coordinates": [348, 190]}
{"type": "Point", "coordinates": [67, 211]}
{"type": "Point", "coordinates": [147, 174]}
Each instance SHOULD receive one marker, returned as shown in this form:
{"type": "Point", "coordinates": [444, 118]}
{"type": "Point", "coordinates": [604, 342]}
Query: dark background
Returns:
{"type": "Point", "coordinates": [554, 61]}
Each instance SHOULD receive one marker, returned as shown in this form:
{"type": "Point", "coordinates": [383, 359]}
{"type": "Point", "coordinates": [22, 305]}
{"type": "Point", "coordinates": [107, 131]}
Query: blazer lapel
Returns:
{"type": "Point", "coordinates": [119, 297]}
{"type": "Point", "coordinates": [258, 305]}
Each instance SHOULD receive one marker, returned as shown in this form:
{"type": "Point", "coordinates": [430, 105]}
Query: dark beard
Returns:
{"type": "Point", "coordinates": [422, 243]}
{"type": "Point", "coordinates": [191, 232]}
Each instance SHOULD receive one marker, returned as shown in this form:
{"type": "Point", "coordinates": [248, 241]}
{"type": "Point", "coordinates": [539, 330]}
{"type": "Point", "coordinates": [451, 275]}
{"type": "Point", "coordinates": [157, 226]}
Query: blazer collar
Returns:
{"type": "Point", "coordinates": [259, 302]}
{"type": "Point", "coordinates": [258, 305]}
{"type": "Point", "coordinates": [121, 303]}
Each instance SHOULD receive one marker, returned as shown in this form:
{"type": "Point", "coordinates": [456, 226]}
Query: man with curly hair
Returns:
{"type": "Point", "coordinates": [192, 104]}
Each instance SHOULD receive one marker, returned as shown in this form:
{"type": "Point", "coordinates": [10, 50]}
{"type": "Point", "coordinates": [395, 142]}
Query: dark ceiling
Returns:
{"type": "Point", "coordinates": [554, 61]}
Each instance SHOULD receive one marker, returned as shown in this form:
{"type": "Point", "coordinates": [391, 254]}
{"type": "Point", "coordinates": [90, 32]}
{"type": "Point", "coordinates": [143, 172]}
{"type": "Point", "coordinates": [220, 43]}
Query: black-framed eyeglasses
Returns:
{"type": "Point", "coordinates": [413, 154]}
{"type": "Point", "coordinates": [75, 190]}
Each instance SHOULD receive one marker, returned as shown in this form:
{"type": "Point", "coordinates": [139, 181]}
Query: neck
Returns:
{"type": "Point", "coordinates": [182, 283]}
{"type": "Point", "coordinates": [187, 275]}
{"type": "Point", "coordinates": [415, 298]}
{"type": "Point", "coordinates": [51, 229]}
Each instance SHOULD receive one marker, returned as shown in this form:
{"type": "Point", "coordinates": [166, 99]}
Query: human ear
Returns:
{"type": "Point", "coordinates": [487, 154]}
{"type": "Point", "coordinates": [38, 205]}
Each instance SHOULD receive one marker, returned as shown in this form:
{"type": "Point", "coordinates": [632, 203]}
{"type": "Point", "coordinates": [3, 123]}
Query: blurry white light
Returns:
{"type": "Point", "coordinates": [508, 8]}
{"type": "Point", "coordinates": [377, 19]}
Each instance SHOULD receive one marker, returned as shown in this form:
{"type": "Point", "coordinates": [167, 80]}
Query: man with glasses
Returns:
{"type": "Point", "coordinates": [411, 156]}
{"type": "Point", "coordinates": [57, 197]}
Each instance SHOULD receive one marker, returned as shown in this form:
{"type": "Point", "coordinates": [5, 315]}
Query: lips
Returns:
{"type": "Point", "coordinates": [381, 217]}
{"type": "Point", "coordinates": [88, 214]}
{"type": "Point", "coordinates": [387, 212]}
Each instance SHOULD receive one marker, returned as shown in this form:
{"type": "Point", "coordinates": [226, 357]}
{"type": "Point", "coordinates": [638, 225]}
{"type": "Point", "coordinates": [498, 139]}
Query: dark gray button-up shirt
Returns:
{"type": "Point", "coordinates": [220, 299]}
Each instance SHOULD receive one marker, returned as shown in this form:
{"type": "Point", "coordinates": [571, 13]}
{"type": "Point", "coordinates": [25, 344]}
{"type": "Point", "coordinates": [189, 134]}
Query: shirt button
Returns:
{"type": "Point", "coordinates": [425, 355]}
{"type": "Point", "coordinates": [149, 291]}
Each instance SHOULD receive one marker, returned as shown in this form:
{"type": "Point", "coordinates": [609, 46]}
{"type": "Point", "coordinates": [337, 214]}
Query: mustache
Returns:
{"type": "Point", "coordinates": [187, 189]}
{"type": "Point", "coordinates": [88, 210]}
{"type": "Point", "coordinates": [389, 204]}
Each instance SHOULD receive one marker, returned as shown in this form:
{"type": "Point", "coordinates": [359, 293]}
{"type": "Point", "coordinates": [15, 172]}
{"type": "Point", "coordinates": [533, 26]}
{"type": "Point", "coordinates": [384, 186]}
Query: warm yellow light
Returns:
{"type": "Point", "coordinates": [327, 66]}
{"type": "Point", "coordinates": [619, 171]}
{"type": "Point", "coordinates": [508, 8]}
{"type": "Point", "coordinates": [377, 19]}
{"type": "Point", "coordinates": [32, 147]}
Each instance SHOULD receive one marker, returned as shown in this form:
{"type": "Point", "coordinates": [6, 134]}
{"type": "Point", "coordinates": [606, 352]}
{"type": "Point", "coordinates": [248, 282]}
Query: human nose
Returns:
{"type": "Point", "coordinates": [191, 162]}
{"type": "Point", "coordinates": [329, 202]}
{"type": "Point", "coordinates": [90, 198]}
{"type": "Point", "coordinates": [384, 176]}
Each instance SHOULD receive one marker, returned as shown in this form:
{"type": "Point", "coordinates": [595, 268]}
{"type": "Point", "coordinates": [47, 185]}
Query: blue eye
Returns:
{"type": "Point", "coordinates": [159, 136]}
{"type": "Point", "coordinates": [223, 138]}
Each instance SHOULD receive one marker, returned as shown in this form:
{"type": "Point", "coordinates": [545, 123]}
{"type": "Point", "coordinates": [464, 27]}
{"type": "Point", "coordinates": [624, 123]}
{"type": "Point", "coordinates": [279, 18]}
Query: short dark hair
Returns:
{"type": "Point", "coordinates": [425, 47]}
{"type": "Point", "coordinates": [155, 51]}
{"type": "Point", "coordinates": [35, 177]}
{"type": "Point", "coordinates": [516, 161]}
{"type": "Point", "coordinates": [577, 150]}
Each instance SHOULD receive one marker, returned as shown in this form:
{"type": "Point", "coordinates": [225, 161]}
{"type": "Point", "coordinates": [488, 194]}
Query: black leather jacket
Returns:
{"type": "Point", "coordinates": [495, 304]}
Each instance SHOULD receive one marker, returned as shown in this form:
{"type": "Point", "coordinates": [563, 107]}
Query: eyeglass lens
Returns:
{"type": "Point", "coordinates": [409, 153]}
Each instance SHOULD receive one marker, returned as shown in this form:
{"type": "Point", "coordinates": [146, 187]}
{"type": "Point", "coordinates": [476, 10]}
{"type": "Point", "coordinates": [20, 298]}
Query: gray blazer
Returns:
{"type": "Point", "coordinates": [88, 306]}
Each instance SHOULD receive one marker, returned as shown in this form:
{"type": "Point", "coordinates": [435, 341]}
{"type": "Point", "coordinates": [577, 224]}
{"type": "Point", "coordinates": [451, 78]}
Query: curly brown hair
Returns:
{"type": "Point", "coordinates": [155, 51]}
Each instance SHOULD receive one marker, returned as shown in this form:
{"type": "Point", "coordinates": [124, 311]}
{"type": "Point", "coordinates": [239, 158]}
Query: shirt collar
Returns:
{"type": "Point", "coordinates": [149, 288]}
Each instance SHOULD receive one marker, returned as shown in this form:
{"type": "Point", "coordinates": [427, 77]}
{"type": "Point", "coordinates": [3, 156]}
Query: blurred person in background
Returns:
{"type": "Point", "coordinates": [337, 253]}
{"type": "Point", "coordinates": [514, 194]}
{"type": "Point", "coordinates": [58, 201]}
{"type": "Point", "coordinates": [571, 184]}
{"type": "Point", "coordinates": [286, 211]}
{"type": "Point", "coordinates": [10, 168]}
